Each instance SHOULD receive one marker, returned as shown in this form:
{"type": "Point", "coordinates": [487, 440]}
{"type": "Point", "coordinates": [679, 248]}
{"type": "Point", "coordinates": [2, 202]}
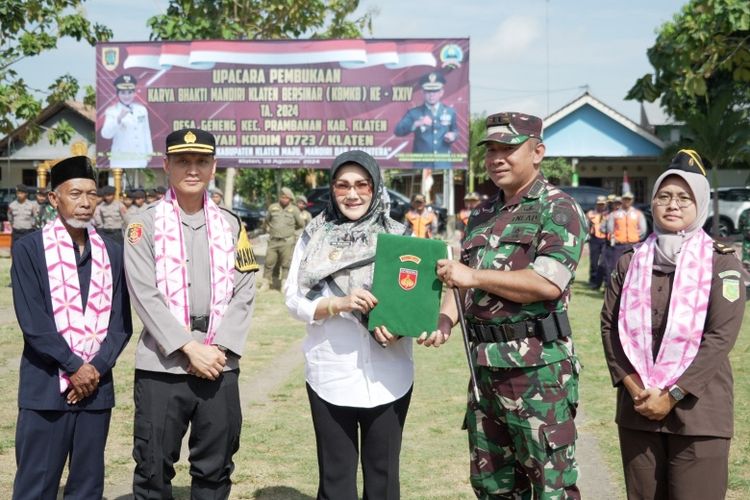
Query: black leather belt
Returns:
{"type": "Point", "coordinates": [199, 323]}
{"type": "Point", "coordinates": [501, 333]}
{"type": "Point", "coordinates": [548, 328]}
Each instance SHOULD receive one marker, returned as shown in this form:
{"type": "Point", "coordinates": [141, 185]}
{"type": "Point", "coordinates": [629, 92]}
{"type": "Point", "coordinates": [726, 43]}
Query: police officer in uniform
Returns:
{"type": "Point", "coordinates": [139, 203]}
{"type": "Point", "coordinates": [433, 125]}
{"type": "Point", "coordinates": [282, 222]}
{"type": "Point", "coordinates": [126, 124]}
{"type": "Point", "coordinates": [187, 361]}
{"type": "Point", "coordinates": [518, 259]}
{"type": "Point", "coordinates": [21, 213]}
{"type": "Point", "coordinates": [109, 216]}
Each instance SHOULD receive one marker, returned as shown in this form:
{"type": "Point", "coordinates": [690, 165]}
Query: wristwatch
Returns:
{"type": "Point", "coordinates": [676, 393]}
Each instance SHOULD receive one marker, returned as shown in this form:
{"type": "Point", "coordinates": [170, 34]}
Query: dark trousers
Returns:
{"type": "Point", "coordinates": [669, 466]}
{"type": "Point", "coordinates": [597, 270]}
{"type": "Point", "coordinates": [164, 406]}
{"type": "Point", "coordinates": [611, 255]}
{"type": "Point", "coordinates": [45, 440]}
{"type": "Point", "coordinates": [339, 433]}
{"type": "Point", "coordinates": [113, 234]}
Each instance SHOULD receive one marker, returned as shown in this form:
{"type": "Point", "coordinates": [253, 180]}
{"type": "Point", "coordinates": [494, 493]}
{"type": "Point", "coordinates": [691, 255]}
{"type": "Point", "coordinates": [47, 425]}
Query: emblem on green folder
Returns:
{"type": "Point", "coordinates": [407, 278]}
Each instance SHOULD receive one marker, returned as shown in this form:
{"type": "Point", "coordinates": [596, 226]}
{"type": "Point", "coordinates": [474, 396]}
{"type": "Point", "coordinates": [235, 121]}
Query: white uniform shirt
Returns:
{"type": "Point", "coordinates": [344, 365]}
{"type": "Point", "coordinates": [131, 137]}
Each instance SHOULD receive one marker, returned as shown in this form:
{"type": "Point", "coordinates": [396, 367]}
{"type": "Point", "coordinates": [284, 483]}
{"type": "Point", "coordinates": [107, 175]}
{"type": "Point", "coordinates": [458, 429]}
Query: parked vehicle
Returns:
{"type": "Point", "coordinates": [585, 195]}
{"type": "Point", "coordinates": [252, 216]}
{"type": "Point", "coordinates": [7, 195]}
{"type": "Point", "coordinates": [317, 199]}
{"type": "Point", "coordinates": [732, 202]}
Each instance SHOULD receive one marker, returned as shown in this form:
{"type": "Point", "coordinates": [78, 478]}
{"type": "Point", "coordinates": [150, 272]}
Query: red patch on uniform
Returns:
{"type": "Point", "coordinates": [134, 233]}
{"type": "Point", "coordinates": [407, 278]}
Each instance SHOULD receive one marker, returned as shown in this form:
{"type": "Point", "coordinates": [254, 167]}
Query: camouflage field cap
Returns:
{"type": "Point", "coordinates": [512, 128]}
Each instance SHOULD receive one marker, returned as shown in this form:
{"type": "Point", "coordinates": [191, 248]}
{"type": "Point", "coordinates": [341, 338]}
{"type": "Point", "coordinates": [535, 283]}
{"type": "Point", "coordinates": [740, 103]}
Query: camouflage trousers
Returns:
{"type": "Point", "coordinates": [522, 434]}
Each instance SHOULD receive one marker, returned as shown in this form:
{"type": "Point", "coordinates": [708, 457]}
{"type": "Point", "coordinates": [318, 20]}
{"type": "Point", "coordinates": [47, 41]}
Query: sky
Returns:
{"type": "Point", "coordinates": [533, 56]}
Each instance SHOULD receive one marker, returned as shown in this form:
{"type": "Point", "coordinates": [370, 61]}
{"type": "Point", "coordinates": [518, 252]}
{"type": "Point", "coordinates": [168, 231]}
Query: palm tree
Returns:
{"type": "Point", "coordinates": [721, 136]}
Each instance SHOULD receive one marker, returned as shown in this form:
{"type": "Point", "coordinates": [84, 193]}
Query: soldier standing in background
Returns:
{"type": "Point", "coordinates": [45, 211]}
{"type": "Point", "coordinates": [109, 216]}
{"type": "Point", "coordinates": [518, 259]}
{"type": "Point", "coordinates": [282, 223]}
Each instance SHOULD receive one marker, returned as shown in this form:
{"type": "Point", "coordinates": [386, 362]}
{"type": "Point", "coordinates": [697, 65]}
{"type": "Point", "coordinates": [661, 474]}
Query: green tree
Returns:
{"type": "Point", "coordinates": [477, 172]}
{"type": "Point", "coordinates": [254, 20]}
{"type": "Point", "coordinates": [558, 170]}
{"type": "Point", "coordinates": [722, 137]}
{"type": "Point", "coordinates": [702, 52]}
{"type": "Point", "coordinates": [29, 28]}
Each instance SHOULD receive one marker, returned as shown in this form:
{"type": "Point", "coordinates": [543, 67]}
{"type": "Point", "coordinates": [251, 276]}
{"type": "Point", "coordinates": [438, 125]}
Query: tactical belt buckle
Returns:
{"type": "Point", "coordinates": [199, 323]}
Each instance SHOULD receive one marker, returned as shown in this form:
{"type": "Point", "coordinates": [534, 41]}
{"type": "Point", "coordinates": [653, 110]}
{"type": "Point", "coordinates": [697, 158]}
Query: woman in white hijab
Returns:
{"type": "Point", "coordinates": [359, 385]}
{"type": "Point", "coordinates": [669, 320]}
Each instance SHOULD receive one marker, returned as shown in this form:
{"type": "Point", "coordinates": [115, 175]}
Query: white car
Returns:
{"type": "Point", "coordinates": [732, 202]}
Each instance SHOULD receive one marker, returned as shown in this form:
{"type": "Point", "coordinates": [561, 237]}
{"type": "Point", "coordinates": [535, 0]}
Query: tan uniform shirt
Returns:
{"type": "Point", "coordinates": [281, 222]}
{"type": "Point", "coordinates": [162, 337]}
{"type": "Point", "coordinates": [707, 409]}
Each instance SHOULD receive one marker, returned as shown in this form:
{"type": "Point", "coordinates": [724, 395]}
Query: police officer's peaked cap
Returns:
{"type": "Point", "coordinates": [512, 128]}
{"type": "Point", "coordinates": [138, 193]}
{"type": "Point", "coordinates": [125, 81]}
{"type": "Point", "coordinates": [191, 140]}
{"type": "Point", "coordinates": [75, 167]}
{"type": "Point", "coordinates": [22, 188]}
{"type": "Point", "coordinates": [432, 81]}
{"type": "Point", "coordinates": [688, 161]}
{"type": "Point", "coordinates": [108, 190]}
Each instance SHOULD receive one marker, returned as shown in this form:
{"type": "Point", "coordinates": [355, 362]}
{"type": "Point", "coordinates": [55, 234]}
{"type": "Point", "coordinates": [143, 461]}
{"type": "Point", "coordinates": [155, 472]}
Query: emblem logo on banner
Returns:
{"type": "Point", "coordinates": [111, 58]}
{"type": "Point", "coordinates": [407, 278]}
{"type": "Point", "coordinates": [451, 56]}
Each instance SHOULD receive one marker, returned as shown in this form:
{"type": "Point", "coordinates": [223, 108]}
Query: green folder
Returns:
{"type": "Point", "coordinates": [406, 284]}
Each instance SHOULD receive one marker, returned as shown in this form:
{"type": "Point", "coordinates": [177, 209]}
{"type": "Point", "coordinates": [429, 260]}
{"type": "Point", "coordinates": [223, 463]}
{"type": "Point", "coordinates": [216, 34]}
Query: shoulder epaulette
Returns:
{"type": "Point", "coordinates": [722, 248]}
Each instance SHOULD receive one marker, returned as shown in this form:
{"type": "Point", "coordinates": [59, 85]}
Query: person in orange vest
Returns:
{"type": "Point", "coordinates": [597, 217]}
{"type": "Point", "coordinates": [421, 222]}
{"type": "Point", "coordinates": [471, 201]}
{"type": "Point", "coordinates": [626, 226]}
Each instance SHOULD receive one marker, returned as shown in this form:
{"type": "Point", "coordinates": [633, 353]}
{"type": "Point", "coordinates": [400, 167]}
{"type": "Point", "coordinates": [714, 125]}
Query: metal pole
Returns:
{"type": "Point", "coordinates": [465, 335]}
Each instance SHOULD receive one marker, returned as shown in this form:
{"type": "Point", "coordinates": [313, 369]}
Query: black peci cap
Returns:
{"type": "Point", "coordinates": [689, 161]}
{"type": "Point", "coordinates": [191, 140]}
{"type": "Point", "coordinates": [75, 167]}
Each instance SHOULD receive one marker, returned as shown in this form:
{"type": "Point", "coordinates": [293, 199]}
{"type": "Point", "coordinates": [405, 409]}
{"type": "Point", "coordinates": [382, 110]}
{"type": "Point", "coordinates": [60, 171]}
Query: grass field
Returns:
{"type": "Point", "coordinates": [277, 454]}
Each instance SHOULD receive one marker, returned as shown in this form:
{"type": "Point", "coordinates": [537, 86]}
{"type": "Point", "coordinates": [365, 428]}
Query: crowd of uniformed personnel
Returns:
{"type": "Point", "coordinates": [615, 225]}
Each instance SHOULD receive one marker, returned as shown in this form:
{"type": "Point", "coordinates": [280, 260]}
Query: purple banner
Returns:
{"type": "Point", "coordinates": [286, 104]}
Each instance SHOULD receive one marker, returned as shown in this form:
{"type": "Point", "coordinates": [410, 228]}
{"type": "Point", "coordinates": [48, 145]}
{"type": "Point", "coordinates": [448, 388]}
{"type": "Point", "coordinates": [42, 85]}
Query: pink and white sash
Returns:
{"type": "Point", "coordinates": [688, 306]}
{"type": "Point", "coordinates": [171, 268]}
{"type": "Point", "coordinates": [83, 331]}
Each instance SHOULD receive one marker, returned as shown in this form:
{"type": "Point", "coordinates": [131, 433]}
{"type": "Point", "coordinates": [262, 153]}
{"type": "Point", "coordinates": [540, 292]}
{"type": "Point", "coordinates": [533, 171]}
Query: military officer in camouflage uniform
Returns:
{"type": "Point", "coordinates": [109, 216]}
{"type": "Point", "coordinates": [45, 212]}
{"type": "Point", "coordinates": [518, 260]}
{"type": "Point", "coordinates": [282, 222]}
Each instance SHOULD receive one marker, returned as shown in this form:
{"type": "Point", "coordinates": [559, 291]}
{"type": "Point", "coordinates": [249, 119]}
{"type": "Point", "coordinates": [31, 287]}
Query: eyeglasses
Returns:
{"type": "Point", "coordinates": [341, 188]}
{"type": "Point", "coordinates": [664, 199]}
